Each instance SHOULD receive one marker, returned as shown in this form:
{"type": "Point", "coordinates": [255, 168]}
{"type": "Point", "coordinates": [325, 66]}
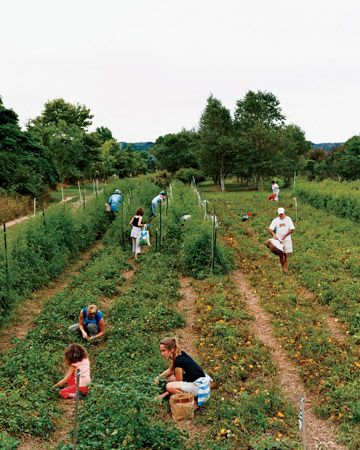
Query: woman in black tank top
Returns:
{"type": "Point", "coordinates": [136, 223]}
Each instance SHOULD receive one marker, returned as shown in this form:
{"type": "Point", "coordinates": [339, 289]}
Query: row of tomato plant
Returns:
{"type": "Point", "coordinates": [323, 280]}
{"type": "Point", "coordinates": [245, 410]}
{"type": "Point", "coordinates": [39, 249]}
{"type": "Point", "coordinates": [28, 403]}
{"type": "Point", "coordinates": [341, 199]}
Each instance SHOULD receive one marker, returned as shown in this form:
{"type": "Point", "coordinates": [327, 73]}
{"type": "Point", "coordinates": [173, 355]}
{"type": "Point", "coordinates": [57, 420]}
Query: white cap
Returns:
{"type": "Point", "coordinates": [281, 211]}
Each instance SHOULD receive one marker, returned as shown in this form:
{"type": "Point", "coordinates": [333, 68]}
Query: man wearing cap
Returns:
{"type": "Point", "coordinates": [281, 229]}
{"type": "Point", "coordinates": [115, 200]}
{"type": "Point", "coordinates": [156, 201]}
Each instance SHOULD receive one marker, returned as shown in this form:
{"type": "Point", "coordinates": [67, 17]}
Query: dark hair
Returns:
{"type": "Point", "coordinates": [75, 353]}
{"type": "Point", "coordinates": [273, 181]}
{"type": "Point", "coordinates": [140, 212]}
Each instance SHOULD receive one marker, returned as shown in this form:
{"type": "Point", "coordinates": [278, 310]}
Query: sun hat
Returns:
{"type": "Point", "coordinates": [117, 191]}
{"type": "Point", "coordinates": [281, 211]}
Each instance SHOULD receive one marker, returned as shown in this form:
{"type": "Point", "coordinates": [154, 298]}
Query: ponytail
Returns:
{"type": "Point", "coordinates": [172, 344]}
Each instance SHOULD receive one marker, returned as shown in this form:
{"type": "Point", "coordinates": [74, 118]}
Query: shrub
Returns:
{"type": "Point", "coordinates": [186, 175]}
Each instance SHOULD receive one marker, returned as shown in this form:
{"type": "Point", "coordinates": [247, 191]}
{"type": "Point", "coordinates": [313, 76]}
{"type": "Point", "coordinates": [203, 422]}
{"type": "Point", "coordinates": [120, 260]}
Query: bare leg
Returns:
{"type": "Point", "coordinates": [286, 262]}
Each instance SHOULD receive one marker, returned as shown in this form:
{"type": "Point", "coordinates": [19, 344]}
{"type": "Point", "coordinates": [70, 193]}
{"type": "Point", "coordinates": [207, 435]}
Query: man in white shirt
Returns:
{"type": "Point", "coordinates": [281, 229]}
{"type": "Point", "coordinates": [275, 190]}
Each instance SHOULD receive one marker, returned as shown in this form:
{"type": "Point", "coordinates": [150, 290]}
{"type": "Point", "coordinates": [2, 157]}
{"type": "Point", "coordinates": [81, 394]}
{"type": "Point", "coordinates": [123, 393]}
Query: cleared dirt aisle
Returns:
{"type": "Point", "coordinates": [319, 434]}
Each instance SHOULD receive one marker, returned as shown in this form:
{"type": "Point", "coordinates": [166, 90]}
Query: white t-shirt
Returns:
{"type": "Point", "coordinates": [281, 227]}
{"type": "Point", "coordinates": [275, 189]}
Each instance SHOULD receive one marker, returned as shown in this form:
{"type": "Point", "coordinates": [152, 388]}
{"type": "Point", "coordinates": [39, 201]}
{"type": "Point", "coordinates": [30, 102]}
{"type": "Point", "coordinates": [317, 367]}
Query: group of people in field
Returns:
{"type": "Point", "coordinates": [184, 374]}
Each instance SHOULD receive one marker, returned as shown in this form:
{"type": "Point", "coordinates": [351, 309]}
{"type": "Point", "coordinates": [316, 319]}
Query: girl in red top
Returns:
{"type": "Point", "coordinates": [76, 358]}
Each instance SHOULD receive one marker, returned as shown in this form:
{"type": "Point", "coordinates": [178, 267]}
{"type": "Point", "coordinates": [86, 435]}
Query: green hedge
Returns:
{"type": "Point", "coordinates": [341, 199]}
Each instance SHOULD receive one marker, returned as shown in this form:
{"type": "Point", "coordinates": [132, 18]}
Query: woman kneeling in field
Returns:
{"type": "Point", "coordinates": [76, 358]}
{"type": "Point", "coordinates": [183, 374]}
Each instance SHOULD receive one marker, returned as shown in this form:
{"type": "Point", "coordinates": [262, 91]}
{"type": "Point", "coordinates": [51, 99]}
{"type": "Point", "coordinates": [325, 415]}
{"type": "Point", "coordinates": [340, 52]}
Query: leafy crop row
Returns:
{"type": "Point", "coordinates": [247, 409]}
{"type": "Point", "coordinates": [341, 199]}
{"type": "Point", "coordinates": [325, 262]}
{"type": "Point", "coordinates": [191, 239]}
{"type": "Point", "coordinates": [42, 247]}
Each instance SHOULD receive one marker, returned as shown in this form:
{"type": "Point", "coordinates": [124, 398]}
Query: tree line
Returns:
{"type": "Point", "coordinates": [56, 147]}
{"type": "Point", "coordinates": [253, 144]}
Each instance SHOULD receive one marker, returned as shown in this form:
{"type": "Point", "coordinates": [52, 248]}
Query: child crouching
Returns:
{"type": "Point", "coordinates": [76, 357]}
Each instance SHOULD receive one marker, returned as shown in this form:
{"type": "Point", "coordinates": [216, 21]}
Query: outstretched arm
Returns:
{"type": "Point", "coordinates": [66, 378]}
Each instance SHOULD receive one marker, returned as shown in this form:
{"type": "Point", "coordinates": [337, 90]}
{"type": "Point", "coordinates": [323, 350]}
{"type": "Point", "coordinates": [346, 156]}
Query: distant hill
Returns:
{"type": "Point", "coordinates": [142, 146]}
{"type": "Point", "coordinates": [327, 146]}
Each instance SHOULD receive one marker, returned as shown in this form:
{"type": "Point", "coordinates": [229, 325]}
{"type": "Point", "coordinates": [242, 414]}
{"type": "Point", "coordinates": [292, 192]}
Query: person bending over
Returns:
{"type": "Point", "coordinates": [91, 323]}
{"type": "Point", "coordinates": [183, 374]}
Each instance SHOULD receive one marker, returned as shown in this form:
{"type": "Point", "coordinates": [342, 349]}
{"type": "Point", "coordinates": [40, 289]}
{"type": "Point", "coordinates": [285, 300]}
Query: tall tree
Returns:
{"type": "Point", "coordinates": [293, 147]}
{"type": "Point", "coordinates": [59, 110]}
{"type": "Point", "coordinates": [216, 143]}
{"type": "Point", "coordinates": [177, 150]}
{"type": "Point", "coordinates": [258, 120]}
{"type": "Point", "coordinates": [61, 129]}
{"type": "Point", "coordinates": [344, 162]}
{"type": "Point", "coordinates": [23, 166]}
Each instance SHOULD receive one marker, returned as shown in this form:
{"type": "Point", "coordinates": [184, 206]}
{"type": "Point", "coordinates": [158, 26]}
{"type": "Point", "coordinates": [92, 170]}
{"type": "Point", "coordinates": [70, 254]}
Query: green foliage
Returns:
{"type": "Point", "coordinates": [186, 175]}
{"type": "Point", "coordinates": [341, 199]}
{"type": "Point", "coordinates": [57, 110]}
{"type": "Point", "coordinates": [216, 146]}
{"type": "Point", "coordinates": [23, 164]}
{"type": "Point", "coordinates": [7, 442]}
{"type": "Point", "coordinates": [258, 123]}
{"type": "Point", "coordinates": [192, 238]}
{"type": "Point", "coordinates": [196, 253]}
{"type": "Point", "coordinates": [175, 151]}
{"type": "Point", "coordinates": [325, 262]}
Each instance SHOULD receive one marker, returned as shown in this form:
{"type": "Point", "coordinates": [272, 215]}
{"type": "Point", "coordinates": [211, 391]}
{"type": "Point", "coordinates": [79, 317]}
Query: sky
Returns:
{"type": "Point", "coordinates": [145, 68]}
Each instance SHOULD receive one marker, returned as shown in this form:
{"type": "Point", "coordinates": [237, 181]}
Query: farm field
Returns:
{"type": "Point", "coordinates": [315, 309]}
{"type": "Point", "coordinates": [309, 325]}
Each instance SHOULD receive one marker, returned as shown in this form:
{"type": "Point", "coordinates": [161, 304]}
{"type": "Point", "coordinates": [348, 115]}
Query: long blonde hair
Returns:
{"type": "Point", "coordinates": [172, 344]}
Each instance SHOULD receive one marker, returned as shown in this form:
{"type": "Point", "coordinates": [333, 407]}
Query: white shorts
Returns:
{"type": "Point", "coordinates": [288, 246]}
{"type": "Point", "coordinates": [135, 231]}
{"type": "Point", "coordinates": [190, 388]}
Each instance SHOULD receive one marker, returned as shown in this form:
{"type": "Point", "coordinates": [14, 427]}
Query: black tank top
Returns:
{"type": "Point", "coordinates": [136, 221]}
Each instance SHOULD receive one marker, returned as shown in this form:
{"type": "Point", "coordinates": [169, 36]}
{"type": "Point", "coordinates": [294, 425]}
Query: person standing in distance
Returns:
{"type": "Point", "coordinates": [275, 190]}
{"type": "Point", "coordinates": [137, 225]}
{"type": "Point", "coordinates": [115, 200]}
{"type": "Point", "coordinates": [281, 229]}
{"type": "Point", "coordinates": [156, 201]}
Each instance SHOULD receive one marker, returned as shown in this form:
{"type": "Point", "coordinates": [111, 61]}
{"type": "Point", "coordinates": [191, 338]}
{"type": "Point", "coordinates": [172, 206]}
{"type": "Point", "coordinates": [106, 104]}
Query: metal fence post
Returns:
{"type": "Point", "coordinates": [160, 236]}
{"type": "Point", "coordinates": [77, 378]}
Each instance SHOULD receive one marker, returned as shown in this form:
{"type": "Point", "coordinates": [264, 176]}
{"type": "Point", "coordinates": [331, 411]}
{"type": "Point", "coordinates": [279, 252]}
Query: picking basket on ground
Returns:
{"type": "Point", "coordinates": [182, 406]}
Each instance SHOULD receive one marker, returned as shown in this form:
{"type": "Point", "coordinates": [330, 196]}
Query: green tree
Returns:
{"type": "Point", "coordinates": [258, 123]}
{"type": "Point", "coordinates": [177, 150]}
{"type": "Point", "coordinates": [104, 134]}
{"type": "Point", "coordinates": [23, 164]}
{"type": "Point", "coordinates": [216, 141]}
{"type": "Point", "coordinates": [293, 147]}
{"type": "Point", "coordinates": [344, 162]}
{"type": "Point", "coordinates": [61, 129]}
{"type": "Point", "coordinates": [58, 110]}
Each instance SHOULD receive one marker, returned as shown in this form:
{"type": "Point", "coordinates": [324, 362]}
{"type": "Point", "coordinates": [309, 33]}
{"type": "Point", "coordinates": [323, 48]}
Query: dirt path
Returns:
{"type": "Point", "coordinates": [319, 433]}
{"type": "Point", "coordinates": [21, 219]}
{"type": "Point", "coordinates": [188, 338]}
{"type": "Point", "coordinates": [21, 321]}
